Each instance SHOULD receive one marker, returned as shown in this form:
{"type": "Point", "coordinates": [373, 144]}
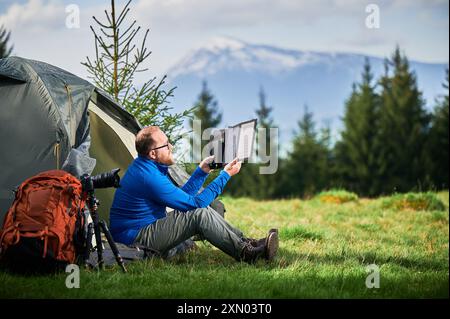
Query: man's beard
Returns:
{"type": "Point", "coordinates": [170, 161]}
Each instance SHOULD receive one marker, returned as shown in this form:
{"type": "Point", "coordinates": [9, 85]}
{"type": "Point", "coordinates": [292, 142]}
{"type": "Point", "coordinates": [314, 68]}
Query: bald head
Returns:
{"type": "Point", "coordinates": [146, 139]}
{"type": "Point", "coordinates": [152, 143]}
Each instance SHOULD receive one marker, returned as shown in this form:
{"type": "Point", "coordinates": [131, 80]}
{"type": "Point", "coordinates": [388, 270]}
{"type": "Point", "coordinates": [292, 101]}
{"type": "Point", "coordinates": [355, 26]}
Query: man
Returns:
{"type": "Point", "coordinates": [138, 213]}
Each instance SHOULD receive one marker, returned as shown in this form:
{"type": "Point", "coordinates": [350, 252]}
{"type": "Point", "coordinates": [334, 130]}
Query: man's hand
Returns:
{"type": "Point", "coordinates": [233, 167]}
{"type": "Point", "coordinates": [204, 165]}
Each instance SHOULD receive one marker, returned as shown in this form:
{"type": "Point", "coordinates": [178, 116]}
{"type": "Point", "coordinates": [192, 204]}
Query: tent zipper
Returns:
{"type": "Point", "coordinates": [57, 153]}
{"type": "Point", "coordinates": [71, 131]}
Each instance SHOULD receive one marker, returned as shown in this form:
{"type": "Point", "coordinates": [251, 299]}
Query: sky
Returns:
{"type": "Point", "coordinates": [420, 27]}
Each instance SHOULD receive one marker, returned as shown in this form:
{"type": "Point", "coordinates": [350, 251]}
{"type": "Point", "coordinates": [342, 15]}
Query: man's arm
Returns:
{"type": "Point", "coordinates": [195, 182]}
{"type": "Point", "coordinates": [165, 192]}
{"type": "Point", "coordinates": [159, 188]}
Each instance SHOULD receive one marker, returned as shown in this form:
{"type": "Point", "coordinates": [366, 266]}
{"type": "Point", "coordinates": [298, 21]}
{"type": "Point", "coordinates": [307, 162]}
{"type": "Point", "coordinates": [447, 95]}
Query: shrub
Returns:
{"type": "Point", "coordinates": [337, 196]}
{"type": "Point", "coordinates": [414, 201]}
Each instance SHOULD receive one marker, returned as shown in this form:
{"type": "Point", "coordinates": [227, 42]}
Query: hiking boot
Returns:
{"type": "Point", "coordinates": [255, 242]}
{"type": "Point", "coordinates": [259, 242]}
{"type": "Point", "coordinates": [261, 248]}
{"type": "Point", "coordinates": [271, 245]}
{"type": "Point", "coordinates": [251, 253]}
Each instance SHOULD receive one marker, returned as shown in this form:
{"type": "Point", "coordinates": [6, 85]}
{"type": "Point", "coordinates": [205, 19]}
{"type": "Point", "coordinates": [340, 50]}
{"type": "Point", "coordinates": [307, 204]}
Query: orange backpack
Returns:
{"type": "Point", "coordinates": [41, 227]}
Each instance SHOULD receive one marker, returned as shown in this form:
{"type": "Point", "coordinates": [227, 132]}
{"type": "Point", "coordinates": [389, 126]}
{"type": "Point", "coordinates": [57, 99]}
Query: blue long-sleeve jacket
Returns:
{"type": "Point", "coordinates": [145, 191]}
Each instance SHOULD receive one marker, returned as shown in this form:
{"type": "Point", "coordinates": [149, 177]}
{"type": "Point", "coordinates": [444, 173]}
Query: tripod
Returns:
{"type": "Point", "coordinates": [96, 228]}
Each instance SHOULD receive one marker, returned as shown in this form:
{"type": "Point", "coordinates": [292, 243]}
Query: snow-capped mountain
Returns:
{"type": "Point", "coordinates": [235, 71]}
{"type": "Point", "coordinates": [227, 54]}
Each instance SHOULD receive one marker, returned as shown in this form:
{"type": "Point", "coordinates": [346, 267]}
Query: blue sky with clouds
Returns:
{"type": "Point", "coordinates": [420, 27]}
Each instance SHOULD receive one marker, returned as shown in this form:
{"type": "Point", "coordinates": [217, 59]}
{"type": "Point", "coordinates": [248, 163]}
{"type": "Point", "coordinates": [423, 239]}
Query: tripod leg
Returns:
{"type": "Point", "coordinates": [98, 240]}
{"type": "Point", "coordinates": [112, 244]}
{"type": "Point", "coordinates": [87, 253]}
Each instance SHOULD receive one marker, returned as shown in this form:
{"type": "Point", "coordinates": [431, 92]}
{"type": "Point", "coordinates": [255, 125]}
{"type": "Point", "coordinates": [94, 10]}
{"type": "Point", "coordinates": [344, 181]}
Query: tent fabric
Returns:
{"type": "Point", "coordinates": [43, 116]}
{"type": "Point", "coordinates": [78, 162]}
{"type": "Point", "coordinates": [126, 136]}
{"type": "Point", "coordinates": [45, 124]}
{"type": "Point", "coordinates": [112, 147]}
{"type": "Point", "coordinates": [64, 94]}
{"type": "Point", "coordinates": [115, 111]}
{"type": "Point", "coordinates": [52, 119]}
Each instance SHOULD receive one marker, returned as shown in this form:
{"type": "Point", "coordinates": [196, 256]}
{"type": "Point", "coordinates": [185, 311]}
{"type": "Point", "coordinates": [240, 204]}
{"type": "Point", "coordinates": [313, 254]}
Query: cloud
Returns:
{"type": "Point", "coordinates": [198, 15]}
{"type": "Point", "coordinates": [188, 15]}
{"type": "Point", "coordinates": [34, 15]}
{"type": "Point", "coordinates": [38, 26]}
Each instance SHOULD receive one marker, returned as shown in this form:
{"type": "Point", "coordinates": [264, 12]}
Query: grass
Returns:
{"type": "Point", "coordinates": [299, 233]}
{"type": "Point", "coordinates": [414, 201]}
{"type": "Point", "coordinates": [324, 251]}
{"type": "Point", "coordinates": [337, 196]}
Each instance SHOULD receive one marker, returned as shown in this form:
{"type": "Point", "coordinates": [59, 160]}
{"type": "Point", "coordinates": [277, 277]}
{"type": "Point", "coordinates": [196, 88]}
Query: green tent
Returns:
{"type": "Point", "coordinates": [52, 119]}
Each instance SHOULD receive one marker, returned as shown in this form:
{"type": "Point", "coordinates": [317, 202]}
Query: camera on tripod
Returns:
{"type": "Point", "coordinates": [89, 184]}
{"type": "Point", "coordinates": [103, 180]}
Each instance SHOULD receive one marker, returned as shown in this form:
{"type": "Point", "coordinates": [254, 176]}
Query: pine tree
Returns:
{"type": "Point", "coordinates": [438, 142]}
{"type": "Point", "coordinates": [117, 60]}
{"type": "Point", "coordinates": [264, 185]}
{"type": "Point", "coordinates": [4, 39]}
{"type": "Point", "coordinates": [330, 171]}
{"type": "Point", "coordinates": [306, 168]}
{"type": "Point", "coordinates": [344, 172]}
{"type": "Point", "coordinates": [249, 182]}
{"type": "Point", "coordinates": [206, 110]}
{"type": "Point", "coordinates": [403, 126]}
{"type": "Point", "coordinates": [265, 119]}
{"type": "Point", "coordinates": [357, 151]}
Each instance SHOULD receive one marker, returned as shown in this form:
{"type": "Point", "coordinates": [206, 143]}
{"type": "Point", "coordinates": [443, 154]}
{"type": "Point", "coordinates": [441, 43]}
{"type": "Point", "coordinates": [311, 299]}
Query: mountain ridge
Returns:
{"type": "Point", "coordinates": [235, 70]}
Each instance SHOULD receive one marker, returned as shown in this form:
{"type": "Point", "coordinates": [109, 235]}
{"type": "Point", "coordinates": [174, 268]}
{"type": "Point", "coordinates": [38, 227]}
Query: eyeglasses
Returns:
{"type": "Point", "coordinates": [166, 145]}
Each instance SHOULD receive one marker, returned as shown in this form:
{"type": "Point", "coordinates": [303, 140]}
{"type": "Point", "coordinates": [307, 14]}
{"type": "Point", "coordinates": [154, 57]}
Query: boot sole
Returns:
{"type": "Point", "coordinates": [271, 246]}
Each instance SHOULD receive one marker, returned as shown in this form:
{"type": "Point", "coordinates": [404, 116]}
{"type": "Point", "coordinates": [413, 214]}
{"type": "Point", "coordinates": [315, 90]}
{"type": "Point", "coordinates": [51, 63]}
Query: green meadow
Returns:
{"type": "Point", "coordinates": [326, 245]}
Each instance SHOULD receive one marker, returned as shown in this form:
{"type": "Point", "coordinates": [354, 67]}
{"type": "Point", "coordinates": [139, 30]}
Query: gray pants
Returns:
{"type": "Point", "coordinates": [177, 227]}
